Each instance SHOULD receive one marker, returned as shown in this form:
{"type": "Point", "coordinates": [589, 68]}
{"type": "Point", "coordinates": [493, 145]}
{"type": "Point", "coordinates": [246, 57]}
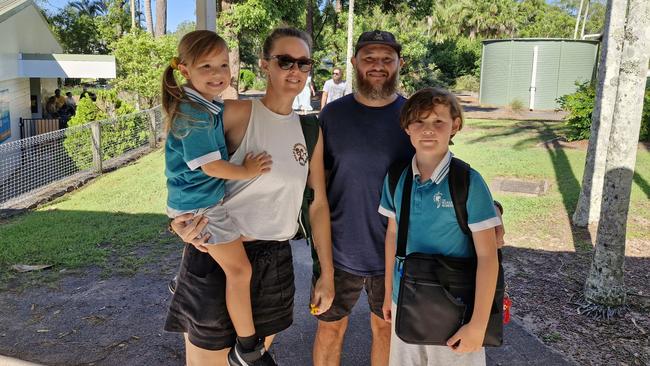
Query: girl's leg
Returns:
{"type": "Point", "coordinates": [195, 356]}
{"type": "Point", "coordinates": [234, 262]}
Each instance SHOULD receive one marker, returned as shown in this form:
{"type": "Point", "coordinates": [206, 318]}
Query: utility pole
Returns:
{"type": "Point", "coordinates": [348, 68]}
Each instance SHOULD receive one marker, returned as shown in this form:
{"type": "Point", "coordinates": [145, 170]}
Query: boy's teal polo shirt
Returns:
{"type": "Point", "coordinates": [433, 228]}
{"type": "Point", "coordinates": [198, 139]}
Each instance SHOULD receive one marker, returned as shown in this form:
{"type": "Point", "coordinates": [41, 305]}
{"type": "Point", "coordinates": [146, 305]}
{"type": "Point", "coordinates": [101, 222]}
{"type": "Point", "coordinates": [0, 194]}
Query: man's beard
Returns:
{"type": "Point", "coordinates": [365, 88]}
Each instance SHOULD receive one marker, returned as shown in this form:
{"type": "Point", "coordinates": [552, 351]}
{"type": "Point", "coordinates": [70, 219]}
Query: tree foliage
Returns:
{"type": "Point", "coordinates": [141, 59]}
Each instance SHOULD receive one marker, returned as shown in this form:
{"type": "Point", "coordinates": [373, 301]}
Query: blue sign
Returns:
{"type": "Point", "coordinates": [5, 121]}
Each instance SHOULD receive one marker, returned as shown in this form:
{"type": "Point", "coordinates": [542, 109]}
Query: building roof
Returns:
{"type": "Point", "coordinates": [56, 65]}
{"type": "Point", "coordinates": [541, 40]}
{"type": "Point", "coordinates": [11, 7]}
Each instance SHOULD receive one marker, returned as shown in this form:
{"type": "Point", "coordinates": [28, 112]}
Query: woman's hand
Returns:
{"type": "Point", "coordinates": [188, 227]}
{"type": "Point", "coordinates": [323, 295]}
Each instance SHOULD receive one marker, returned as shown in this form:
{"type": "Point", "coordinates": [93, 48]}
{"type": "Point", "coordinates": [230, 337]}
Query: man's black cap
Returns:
{"type": "Point", "coordinates": [377, 37]}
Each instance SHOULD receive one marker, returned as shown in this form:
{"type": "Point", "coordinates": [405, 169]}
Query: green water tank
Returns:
{"type": "Point", "coordinates": [534, 71]}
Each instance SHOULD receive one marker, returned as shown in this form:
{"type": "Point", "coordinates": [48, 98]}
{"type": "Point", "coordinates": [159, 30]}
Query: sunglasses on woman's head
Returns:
{"type": "Point", "coordinates": [286, 62]}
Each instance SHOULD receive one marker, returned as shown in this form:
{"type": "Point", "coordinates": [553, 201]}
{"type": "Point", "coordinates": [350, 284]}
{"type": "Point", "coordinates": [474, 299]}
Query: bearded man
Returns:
{"type": "Point", "coordinates": [362, 138]}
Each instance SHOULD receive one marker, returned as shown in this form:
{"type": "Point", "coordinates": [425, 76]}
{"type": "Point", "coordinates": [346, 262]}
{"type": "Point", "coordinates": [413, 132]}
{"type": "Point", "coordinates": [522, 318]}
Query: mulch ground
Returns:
{"type": "Point", "coordinates": [546, 287]}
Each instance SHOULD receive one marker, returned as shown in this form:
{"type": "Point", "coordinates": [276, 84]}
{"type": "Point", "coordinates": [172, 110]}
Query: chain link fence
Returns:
{"type": "Point", "coordinates": [35, 163]}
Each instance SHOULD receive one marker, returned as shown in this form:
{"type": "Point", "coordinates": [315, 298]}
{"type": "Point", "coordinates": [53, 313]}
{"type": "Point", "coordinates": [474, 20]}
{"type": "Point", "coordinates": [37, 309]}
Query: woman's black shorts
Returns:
{"type": "Point", "coordinates": [198, 306]}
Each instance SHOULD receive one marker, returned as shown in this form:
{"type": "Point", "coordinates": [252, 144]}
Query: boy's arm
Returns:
{"type": "Point", "coordinates": [253, 166]}
{"type": "Point", "coordinates": [391, 247]}
{"type": "Point", "coordinates": [319, 218]}
{"type": "Point", "coordinates": [471, 335]}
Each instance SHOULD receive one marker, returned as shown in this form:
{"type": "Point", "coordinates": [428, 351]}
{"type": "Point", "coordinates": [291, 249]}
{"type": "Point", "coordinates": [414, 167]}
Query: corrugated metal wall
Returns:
{"type": "Point", "coordinates": [507, 65]}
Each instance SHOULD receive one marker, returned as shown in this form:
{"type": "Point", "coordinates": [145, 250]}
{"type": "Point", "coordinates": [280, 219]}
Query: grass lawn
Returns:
{"type": "Point", "coordinates": [104, 223]}
{"type": "Point", "coordinates": [108, 220]}
{"type": "Point", "coordinates": [517, 150]}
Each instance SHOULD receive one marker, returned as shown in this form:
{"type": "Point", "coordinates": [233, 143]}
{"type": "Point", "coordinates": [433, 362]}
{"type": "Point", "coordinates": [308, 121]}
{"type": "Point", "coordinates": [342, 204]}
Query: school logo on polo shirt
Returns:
{"type": "Point", "coordinates": [300, 153]}
{"type": "Point", "coordinates": [441, 202]}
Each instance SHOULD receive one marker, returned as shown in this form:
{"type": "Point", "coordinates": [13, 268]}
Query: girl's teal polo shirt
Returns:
{"type": "Point", "coordinates": [198, 139]}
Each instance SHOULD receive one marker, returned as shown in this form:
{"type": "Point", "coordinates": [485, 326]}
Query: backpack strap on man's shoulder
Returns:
{"type": "Point", "coordinates": [310, 128]}
{"type": "Point", "coordinates": [459, 188]}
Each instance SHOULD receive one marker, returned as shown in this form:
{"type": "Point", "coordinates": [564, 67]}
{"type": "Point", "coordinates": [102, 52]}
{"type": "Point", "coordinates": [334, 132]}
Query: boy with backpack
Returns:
{"type": "Point", "coordinates": [431, 118]}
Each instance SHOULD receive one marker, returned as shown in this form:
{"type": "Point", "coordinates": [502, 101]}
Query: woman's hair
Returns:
{"type": "Point", "coordinates": [424, 100]}
{"type": "Point", "coordinates": [281, 33]}
{"type": "Point", "coordinates": [192, 46]}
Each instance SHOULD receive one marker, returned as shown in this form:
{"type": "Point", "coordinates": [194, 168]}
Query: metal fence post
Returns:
{"type": "Point", "coordinates": [152, 128]}
{"type": "Point", "coordinates": [96, 140]}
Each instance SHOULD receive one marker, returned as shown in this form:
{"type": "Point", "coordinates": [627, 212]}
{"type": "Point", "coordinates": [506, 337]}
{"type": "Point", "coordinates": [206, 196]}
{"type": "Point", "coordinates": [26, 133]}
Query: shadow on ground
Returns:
{"type": "Point", "coordinates": [87, 319]}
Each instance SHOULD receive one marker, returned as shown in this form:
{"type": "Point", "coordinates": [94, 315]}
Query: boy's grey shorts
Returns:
{"type": "Point", "coordinates": [220, 226]}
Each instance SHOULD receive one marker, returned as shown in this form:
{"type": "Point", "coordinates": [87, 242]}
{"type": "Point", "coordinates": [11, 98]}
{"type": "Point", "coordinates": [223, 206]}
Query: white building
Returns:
{"type": "Point", "coordinates": [31, 61]}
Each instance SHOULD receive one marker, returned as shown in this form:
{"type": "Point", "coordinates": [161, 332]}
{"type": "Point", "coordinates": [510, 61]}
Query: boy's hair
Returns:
{"type": "Point", "coordinates": [423, 102]}
{"type": "Point", "coordinates": [281, 33]}
{"type": "Point", "coordinates": [192, 46]}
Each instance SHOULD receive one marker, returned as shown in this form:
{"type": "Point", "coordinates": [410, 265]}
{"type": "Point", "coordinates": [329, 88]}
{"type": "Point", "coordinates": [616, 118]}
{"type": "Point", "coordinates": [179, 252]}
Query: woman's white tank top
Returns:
{"type": "Point", "coordinates": [267, 207]}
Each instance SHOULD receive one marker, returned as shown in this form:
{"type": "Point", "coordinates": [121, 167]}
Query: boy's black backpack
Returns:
{"type": "Point", "coordinates": [310, 129]}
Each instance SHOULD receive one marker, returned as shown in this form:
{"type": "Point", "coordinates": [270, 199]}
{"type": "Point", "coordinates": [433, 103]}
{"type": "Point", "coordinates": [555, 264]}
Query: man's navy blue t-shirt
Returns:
{"type": "Point", "coordinates": [361, 142]}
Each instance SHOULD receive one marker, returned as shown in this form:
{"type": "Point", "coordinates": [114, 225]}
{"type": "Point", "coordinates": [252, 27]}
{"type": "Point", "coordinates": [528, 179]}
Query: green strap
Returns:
{"type": "Point", "coordinates": [310, 130]}
{"type": "Point", "coordinates": [309, 124]}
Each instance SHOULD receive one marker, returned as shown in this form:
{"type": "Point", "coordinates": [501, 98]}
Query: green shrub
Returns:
{"type": "Point", "coordinates": [259, 84]}
{"type": "Point", "coordinates": [246, 79]}
{"type": "Point", "coordinates": [580, 106]}
{"type": "Point", "coordinates": [125, 132]}
{"type": "Point", "coordinates": [415, 80]}
{"type": "Point", "coordinates": [77, 143]}
{"type": "Point", "coordinates": [467, 83]}
{"type": "Point", "coordinates": [516, 105]}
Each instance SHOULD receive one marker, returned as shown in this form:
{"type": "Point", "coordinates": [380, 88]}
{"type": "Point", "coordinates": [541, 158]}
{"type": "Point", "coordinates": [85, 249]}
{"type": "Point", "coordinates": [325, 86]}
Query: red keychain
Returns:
{"type": "Point", "coordinates": [507, 304]}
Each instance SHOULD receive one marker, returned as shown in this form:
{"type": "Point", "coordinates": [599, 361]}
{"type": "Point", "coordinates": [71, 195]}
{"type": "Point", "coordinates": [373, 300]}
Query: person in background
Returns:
{"type": "Point", "coordinates": [59, 100]}
{"type": "Point", "coordinates": [302, 101]}
{"type": "Point", "coordinates": [334, 88]}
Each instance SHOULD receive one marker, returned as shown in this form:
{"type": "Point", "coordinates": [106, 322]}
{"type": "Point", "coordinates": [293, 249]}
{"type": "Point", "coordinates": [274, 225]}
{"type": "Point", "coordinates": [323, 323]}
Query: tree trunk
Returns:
{"type": "Point", "coordinates": [584, 21]}
{"type": "Point", "coordinates": [589, 201]}
{"type": "Point", "coordinates": [233, 43]}
{"type": "Point", "coordinates": [338, 6]}
{"type": "Point", "coordinates": [148, 17]}
{"type": "Point", "coordinates": [575, 30]}
{"type": "Point", "coordinates": [605, 284]}
{"type": "Point", "coordinates": [348, 68]}
{"type": "Point", "coordinates": [309, 26]}
{"type": "Point", "coordinates": [161, 18]}
{"type": "Point", "coordinates": [132, 14]}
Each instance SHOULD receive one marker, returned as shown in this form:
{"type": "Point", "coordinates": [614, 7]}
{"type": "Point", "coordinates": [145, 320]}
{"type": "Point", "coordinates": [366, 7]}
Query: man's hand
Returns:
{"type": "Point", "coordinates": [386, 309]}
{"type": "Point", "coordinates": [323, 295]}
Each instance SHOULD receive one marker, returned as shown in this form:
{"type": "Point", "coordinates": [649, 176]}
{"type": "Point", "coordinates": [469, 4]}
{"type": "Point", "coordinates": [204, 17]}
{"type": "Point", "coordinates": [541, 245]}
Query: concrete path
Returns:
{"type": "Point", "coordinates": [293, 346]}
{"type": "Point", "coordinates": [136, 306]}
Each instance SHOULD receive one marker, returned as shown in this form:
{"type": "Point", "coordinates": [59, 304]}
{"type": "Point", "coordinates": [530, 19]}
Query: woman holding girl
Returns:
{"type": "Point", "coordinates": [260, 208]}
